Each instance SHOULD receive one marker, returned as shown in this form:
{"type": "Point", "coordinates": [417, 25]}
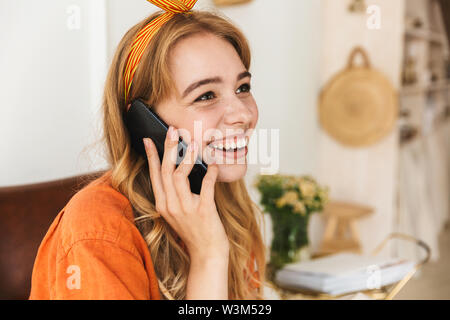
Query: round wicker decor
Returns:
{"type": "Point", "coordinates": [359, 106]}
{"type": "Point", "coordinates": [222, 3]}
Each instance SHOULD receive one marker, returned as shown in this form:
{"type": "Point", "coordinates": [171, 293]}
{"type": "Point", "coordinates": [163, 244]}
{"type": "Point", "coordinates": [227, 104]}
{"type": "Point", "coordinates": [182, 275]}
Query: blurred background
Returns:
{"type": "Point", "coordinates": [373, 127]}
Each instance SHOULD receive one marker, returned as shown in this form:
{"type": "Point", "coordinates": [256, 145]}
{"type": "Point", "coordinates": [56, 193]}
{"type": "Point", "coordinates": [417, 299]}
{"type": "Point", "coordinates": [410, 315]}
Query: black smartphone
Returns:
{"type": "Point", "coordinates": [142, 122]}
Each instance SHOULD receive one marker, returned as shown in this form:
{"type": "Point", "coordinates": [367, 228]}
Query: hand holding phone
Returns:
{"type": "Point", "coordinates": [194, 217]}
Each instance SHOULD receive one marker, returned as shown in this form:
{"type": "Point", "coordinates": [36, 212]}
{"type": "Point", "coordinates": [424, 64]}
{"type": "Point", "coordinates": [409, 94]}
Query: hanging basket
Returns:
{"type": "Point", "coordinates": [359, 106]}
{"type": "Point", "coordinates": [223, 3]}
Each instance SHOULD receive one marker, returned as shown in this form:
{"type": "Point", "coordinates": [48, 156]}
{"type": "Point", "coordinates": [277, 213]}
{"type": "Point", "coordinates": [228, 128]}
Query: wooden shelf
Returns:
{"type": "Point", "coordinates": [440, 85]}
{"type": "Point", "coordinates": [421, 89]}
{"type": "Point", "coordinates": [428, 35]}
{"type": "Point", "coordinates": [425, 54]}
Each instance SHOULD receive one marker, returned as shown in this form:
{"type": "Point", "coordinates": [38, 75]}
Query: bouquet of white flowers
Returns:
{"type": "Point", "coordinates": [290, 201]}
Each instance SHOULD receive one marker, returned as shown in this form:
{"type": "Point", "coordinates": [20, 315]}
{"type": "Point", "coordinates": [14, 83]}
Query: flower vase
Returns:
{"type": "Point", "coordinates": [289, 239]}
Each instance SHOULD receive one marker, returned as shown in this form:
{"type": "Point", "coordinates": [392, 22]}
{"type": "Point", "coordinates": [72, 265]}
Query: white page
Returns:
{"type": "Point", "coordinates": [341, 264]}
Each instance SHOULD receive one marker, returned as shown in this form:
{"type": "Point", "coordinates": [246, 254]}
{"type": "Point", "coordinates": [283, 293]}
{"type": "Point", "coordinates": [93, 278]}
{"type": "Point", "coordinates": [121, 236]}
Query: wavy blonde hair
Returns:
{"type": "Point", "coordinates": [130, 173]}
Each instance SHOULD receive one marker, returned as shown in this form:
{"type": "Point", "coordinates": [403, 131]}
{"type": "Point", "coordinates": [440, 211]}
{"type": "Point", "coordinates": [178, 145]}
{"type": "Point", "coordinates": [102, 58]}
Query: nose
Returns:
{"type": "Point", "coordinates": [238, 113]}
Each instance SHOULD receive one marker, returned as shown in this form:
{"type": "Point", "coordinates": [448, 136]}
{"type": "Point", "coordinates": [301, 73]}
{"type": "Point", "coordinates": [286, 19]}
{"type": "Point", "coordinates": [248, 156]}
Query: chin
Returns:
{"type": "Point", "coordinates": [231, 172]}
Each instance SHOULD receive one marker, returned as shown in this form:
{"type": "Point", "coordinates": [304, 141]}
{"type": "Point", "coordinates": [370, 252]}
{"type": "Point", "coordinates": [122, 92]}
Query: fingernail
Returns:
{"type": "Point", "coordinates": [146, 143]}
{"type": "Point", "coordinates": [173, 134]}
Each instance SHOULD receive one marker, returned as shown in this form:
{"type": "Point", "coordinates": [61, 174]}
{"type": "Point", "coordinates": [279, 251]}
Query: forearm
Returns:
{"type": "Point", "coordinates": [208, 279]}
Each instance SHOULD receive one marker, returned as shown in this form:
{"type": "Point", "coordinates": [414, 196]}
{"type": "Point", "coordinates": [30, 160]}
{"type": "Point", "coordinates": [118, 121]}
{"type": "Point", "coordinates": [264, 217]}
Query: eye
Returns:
{"type": "Point", "coordinates": [245, 86]}
{"type": "Point", "coordinates": [207, 94]}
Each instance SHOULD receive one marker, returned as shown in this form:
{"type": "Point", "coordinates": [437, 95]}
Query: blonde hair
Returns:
{"type": "Point", "coordinates": [129, 171]}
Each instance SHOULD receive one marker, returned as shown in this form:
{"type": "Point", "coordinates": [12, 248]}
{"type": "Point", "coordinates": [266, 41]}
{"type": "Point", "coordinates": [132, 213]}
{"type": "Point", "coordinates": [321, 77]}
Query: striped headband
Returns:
{"type": "Point", "coordinates": [146, 34]}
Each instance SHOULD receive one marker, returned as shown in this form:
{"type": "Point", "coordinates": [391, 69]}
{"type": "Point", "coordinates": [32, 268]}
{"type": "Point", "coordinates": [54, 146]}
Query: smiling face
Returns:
{"type": "Point", "coordinates": [213, 97]}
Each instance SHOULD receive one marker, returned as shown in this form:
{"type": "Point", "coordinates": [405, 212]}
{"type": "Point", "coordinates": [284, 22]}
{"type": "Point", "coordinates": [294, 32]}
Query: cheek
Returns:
{"type": "Point", "coordinates": [256, 116]}
{"type": "Point", "coordinates": [199, 126]}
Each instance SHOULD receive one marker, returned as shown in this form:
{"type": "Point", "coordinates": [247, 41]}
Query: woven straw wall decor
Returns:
{"type": "Point", "coordinates": [359, 106]}
{"type": "Point", "coordinates": [222, 3]}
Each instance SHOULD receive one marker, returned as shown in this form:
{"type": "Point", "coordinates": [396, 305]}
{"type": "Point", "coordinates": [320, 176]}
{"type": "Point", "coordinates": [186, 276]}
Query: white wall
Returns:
{"type": "Point", "coordinates": [364, 175]}
{"type": "Point", "coordinates": [48, 89]}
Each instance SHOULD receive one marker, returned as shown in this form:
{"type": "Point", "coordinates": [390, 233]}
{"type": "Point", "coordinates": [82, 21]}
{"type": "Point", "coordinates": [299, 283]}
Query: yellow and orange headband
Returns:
{"type": "Point", "coordinates": [146, 34]}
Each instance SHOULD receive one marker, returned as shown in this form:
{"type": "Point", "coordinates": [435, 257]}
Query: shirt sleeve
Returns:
{"type": "Point", "coordinates": [97, 269]}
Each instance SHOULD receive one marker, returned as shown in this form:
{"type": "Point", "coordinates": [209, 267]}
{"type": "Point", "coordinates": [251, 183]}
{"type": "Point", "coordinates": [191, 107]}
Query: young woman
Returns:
{"type": "Point", "coordinates": [138, 232]}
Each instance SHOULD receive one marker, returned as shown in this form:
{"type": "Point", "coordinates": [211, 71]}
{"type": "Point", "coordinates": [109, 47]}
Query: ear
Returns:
{"type": "Point", "coordinates": [128, 107]}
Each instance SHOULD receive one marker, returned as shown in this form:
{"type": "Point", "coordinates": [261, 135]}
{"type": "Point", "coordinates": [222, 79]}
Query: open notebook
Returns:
{"type": "Point", "coordinates": [343, 273]}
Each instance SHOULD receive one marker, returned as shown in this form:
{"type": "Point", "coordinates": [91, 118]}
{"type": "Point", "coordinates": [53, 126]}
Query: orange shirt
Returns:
{"type": "Point", "coordinates": [93, 250]}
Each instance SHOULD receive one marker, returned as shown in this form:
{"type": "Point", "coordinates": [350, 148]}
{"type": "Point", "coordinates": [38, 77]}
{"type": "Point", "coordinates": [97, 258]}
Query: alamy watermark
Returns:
{"type": "Point", "coordinates": [73, 21]}
{"type": "Point", "coordinates": [374, 279]}
{"type": "Point", "coordinates": [74, 280]}
{"type": "Point", "coordinates": [374, 19]}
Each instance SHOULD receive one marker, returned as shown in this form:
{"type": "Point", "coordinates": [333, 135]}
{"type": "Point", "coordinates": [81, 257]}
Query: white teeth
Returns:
{"type": "Point", "coordinates": [231, 145]}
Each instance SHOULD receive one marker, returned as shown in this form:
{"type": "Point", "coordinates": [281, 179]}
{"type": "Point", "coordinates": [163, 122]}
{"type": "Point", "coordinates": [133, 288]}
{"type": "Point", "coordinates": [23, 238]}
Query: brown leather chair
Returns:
{"type": "Point", "coordinates": [26, 213]}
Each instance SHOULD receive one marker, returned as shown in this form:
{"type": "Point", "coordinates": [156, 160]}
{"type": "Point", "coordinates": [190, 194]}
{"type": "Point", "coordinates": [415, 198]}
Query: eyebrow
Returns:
{"type": "Point", "coordinates": [203, 82]}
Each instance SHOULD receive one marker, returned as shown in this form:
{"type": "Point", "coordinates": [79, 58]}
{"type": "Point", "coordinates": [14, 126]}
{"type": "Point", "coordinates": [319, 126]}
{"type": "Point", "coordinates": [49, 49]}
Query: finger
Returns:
{"type": "Point", "coordinates": [181, 174]}
{"type": "Point", "coordinates": [155, 175]}
{"type": "Point", "coordinates": [208, 183]}
{"type": "Point", "coordinates": [168, 167]}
